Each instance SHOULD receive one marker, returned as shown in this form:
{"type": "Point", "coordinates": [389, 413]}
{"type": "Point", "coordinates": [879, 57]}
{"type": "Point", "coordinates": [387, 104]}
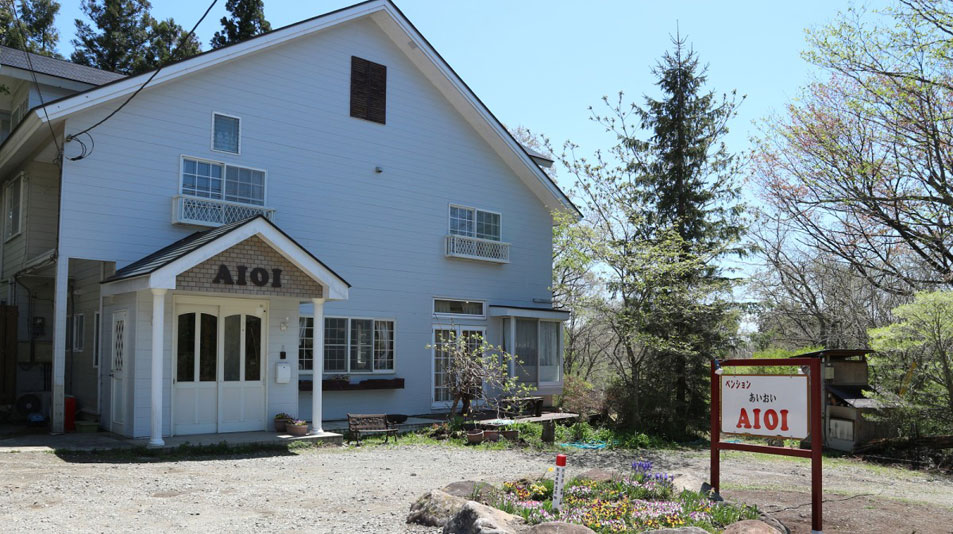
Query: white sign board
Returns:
{"type": "Point", "coordinates": [773, 406]}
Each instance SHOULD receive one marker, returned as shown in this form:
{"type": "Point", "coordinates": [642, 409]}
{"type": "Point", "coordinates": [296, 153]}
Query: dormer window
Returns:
{"type": "Point", "coordinates": [226, 133]}
{"type": "Point", "coordinates": [368, 90]}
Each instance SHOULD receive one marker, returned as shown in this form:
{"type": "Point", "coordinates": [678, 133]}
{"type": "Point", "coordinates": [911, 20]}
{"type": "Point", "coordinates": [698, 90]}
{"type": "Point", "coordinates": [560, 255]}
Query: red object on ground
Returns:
{"type": "Point", "coordinates": [561, 460]}
{"type": "Point", "coordinates": [69, 415]}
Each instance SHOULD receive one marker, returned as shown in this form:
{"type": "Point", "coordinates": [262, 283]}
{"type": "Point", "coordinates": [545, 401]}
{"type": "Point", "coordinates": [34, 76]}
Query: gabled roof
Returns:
{"type": "Point", "coordinates": [160, 268]}
{"type": "Point", "coordinates": [404, 35]}
{"type": "Point", "coordinates": [60, 68]}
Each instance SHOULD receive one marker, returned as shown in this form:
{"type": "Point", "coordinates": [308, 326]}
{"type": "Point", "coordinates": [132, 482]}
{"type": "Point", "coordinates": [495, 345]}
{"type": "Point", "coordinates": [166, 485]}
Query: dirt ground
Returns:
{"type": "Point", "coordinates": [369, 489]}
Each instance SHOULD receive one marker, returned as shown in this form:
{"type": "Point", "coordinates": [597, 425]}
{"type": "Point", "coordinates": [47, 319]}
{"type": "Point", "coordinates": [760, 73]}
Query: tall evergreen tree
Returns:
{"type": "Point", "coordinates": [246, 21]}
{"type": "Point", "coordinates": [37, 32]}
{"type": "Point", "coordinates": [685, 186]}
{"type": "Point", "coordinates": [125, 38]}
{"type": "Point", "coordinates": [118, 35]}
{"type": "Point", "coordinates": [665, 213]}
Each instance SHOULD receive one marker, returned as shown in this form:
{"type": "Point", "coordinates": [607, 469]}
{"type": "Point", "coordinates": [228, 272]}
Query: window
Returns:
{"type": "Point", "coordinates": [14, 200]}
{"type": "Point", "coordinates": [226, 133]}
{"type": "Point", "coordinates": [5, 126]}
{"type": "Point", "coordinates": [465, 308]}
{"type": "Point", "coordinates": [368, 90]}
{"type": "Point", "coordinates": [79, 333]}
{"type": "Point", "coordinates": [471, 222]}
{"type": "Point", "coordinates": [538, 348]}
{"type": "Point", "coordinates": [19, 112]}
{"type": "Point", "coordinates": [443, 337]}
{"type": "Point", "coordinates": [350, 345]}
{"type": "Point", "coordinates": [208, 179]}
{"type": "Point", "coordinates": [96, 325]}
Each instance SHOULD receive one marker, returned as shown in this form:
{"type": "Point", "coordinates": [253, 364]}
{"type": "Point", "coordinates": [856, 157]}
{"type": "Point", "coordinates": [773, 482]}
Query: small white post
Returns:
{"type": "Point", "coordinates": [158, 331]}
{"type": "Point", "coordinates": [60, 300]}
{"type": "Point", "coordinates": [559, 480]}
{"type": "Point", "coordinates": [317, 367]}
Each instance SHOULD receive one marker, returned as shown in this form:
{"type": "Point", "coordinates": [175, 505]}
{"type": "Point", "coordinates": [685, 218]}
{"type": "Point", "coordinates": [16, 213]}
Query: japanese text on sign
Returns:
{"type": "Point", "coordinates": [770, 406]}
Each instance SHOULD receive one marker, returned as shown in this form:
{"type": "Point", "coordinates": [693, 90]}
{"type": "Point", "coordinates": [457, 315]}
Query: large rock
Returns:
{"type": "Point", "coordinates": [688, 482]}
{"type": "Point", "coordinates": [435, 508]}
{"type": "Point", "coordinates": [476, 518]}
{"type": "Point", "coordinates": [473, 491]}
{"type": "Point", "coordinates": [599, 475]}
{"type": "Point", "coordinates": [680, 530]}
{"type": "Point", "coordinates": [558, 527]}
{"type": "Point", "coordinates": [750, 526]}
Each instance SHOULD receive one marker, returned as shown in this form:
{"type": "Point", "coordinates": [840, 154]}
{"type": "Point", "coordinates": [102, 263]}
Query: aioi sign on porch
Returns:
{"type": "Point", "coordinates": [773, 406]}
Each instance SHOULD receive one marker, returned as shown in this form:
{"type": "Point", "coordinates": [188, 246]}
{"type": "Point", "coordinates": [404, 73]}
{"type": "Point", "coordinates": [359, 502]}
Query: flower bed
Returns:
{"type": "Point", "coordinates": [638, 501]}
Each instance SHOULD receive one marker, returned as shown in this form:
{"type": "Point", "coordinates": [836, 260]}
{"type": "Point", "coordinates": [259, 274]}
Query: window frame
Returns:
{"type": "Point", "coordinates": [212, 138]}
{"type": "Point", "coordinates": [225, 165]}
{"type": "Point", "coordinates": [78, 343]}
{"type": "Point", "coordinates": [475, 211]}
{"type": "Point", "coordinates": [97, 342]}
{"type": "Point", "coordinates": [348, 370]}
{"type": "Point", "coordinates": [7, 198]}
{"type": "Point", "coordinates": [560, 347]}
{"type": "Point", "coordinates": [445, 315]}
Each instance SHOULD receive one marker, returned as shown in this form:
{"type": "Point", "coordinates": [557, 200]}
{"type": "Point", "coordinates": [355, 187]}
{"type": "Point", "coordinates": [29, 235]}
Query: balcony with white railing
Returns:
{"type": "Point", "coordinates": [213, 212]}
{"type": "Point", "coordinates": [474, 248]}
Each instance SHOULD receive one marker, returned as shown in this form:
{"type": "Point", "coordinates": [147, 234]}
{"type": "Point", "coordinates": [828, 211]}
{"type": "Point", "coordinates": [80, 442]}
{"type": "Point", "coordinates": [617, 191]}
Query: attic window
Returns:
{"type": "Point", "coordinates": [368, 90]}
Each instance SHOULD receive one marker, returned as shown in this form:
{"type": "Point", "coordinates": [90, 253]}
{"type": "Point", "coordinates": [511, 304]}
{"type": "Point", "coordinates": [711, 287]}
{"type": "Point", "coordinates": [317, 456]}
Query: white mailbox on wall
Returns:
{"type": "Point", "coordinates": [282, 373]}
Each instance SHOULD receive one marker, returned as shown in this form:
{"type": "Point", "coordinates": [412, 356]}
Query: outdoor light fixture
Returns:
{"type": "Point", "coordinates": [378, 169]}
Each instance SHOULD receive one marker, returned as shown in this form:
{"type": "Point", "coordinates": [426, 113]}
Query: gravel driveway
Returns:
{"type": "Point", "coordinates": [346, 490]}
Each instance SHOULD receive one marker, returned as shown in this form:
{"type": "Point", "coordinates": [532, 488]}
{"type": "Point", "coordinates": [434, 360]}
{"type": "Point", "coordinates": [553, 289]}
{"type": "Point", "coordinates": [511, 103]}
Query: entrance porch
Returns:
{"type": "Point", "coordinates": [201, 336]}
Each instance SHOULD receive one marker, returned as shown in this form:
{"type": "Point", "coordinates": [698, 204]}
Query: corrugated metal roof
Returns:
{"type": "Point", "coordinates": [853, 396]}
{"type": "Point", "coordinates": [55, 67]}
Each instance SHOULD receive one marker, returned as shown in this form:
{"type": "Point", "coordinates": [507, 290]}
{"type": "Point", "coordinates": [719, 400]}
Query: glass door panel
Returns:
{"type": "Point", "coordinates": [208, 347]}
{"type": "Point", "coordinates": [185, 348]}
{"type": "Point", "coordinates": [527, 350]}
{"type": "Point", "coordinates": [232, 366]}
{"type": "Point", "coordinates": [252, 348]}
{"type": "Point", "coordinates": [549, 354]}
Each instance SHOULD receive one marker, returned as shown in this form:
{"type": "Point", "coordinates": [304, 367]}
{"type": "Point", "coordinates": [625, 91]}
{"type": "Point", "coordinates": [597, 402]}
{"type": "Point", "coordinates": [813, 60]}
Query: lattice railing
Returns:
{"type": "Point", "coordinates": [211, 212]}
{"type": "Point", "coordinates": [474, 248]}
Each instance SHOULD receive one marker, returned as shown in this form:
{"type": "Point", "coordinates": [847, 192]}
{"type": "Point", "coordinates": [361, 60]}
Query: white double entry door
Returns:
{"type": "Point", "coordinates": [218, 366]}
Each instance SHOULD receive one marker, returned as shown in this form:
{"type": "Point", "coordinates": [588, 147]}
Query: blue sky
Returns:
{"type": "Point", "coordinates": [540, 63]}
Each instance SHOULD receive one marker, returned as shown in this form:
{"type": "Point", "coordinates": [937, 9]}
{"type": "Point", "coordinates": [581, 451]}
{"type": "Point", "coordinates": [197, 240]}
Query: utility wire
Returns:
{"type": "Point", "coordinates": [29, 60]}
{"type": "Point", "coordinates": [86, 131]}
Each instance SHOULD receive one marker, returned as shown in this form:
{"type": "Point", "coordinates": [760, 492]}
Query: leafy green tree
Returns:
{"type": "Point", "coordinates": [125, 38]}
{"type": "Point", "coordinates": [246, 21]}
{"type": "Point", "coordinates": [915, 366]}
{"type": "Point", "coordinates": [37, 31]}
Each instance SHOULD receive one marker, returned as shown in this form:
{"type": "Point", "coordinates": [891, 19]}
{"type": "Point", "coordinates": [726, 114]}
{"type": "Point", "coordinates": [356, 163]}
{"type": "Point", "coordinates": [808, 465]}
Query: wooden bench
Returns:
{"type": "Point", "coordinates": [360, 424]}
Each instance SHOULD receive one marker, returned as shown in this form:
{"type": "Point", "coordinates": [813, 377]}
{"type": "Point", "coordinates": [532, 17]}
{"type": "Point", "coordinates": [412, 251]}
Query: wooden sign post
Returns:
{"type": "Point", "coordinates": [772, 406]}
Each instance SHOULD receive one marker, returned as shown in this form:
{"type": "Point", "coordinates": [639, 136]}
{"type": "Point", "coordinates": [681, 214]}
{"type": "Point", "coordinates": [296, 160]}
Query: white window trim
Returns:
{"type": "Point", "coordinates": [474, 210]}
{"type": "Point", "coordinates": [348, 348]}
{"type": "Point", "coordinates": [212, 139]}
{"type": "Point", "coordinates": [456, 328]}
{"type": "Point", "coordinates": [79, 334]}
{"type": "Point", "coordinates": [443, 315]}
{"type": "Point", "coordinates": [6, 206]}
{"type": "Point", "coordinates": [183, 157]}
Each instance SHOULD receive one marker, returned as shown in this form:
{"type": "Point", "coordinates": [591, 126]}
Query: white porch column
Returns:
{"type": "Point", "coordinates": [158, 333]}
{"type": "Point", "coordinates": [318, 367]}
{"type": "Point", "coordinates": [60, 296]}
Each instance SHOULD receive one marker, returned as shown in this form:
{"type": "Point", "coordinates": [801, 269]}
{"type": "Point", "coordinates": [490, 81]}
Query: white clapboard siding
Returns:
{"type": "Point", "coordinates": [384, 233]}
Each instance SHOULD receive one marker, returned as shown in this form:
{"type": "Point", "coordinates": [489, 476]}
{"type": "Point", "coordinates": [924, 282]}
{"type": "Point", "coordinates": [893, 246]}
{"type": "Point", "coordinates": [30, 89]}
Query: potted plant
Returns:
{"type": "Point", "coordinates": [296, 427]}
{"type": "Point", "coordinates": [511, 434]}
{"type": "Point", "coordinates": [474, 436]}
{"type": "Point", "coordinates": [281, 420]}
{"type": "Point", "coordinates": [492, 434]}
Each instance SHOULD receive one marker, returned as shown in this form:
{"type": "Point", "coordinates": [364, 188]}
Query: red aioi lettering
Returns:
{"type": "Point", "coordinates": [771, 419]}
